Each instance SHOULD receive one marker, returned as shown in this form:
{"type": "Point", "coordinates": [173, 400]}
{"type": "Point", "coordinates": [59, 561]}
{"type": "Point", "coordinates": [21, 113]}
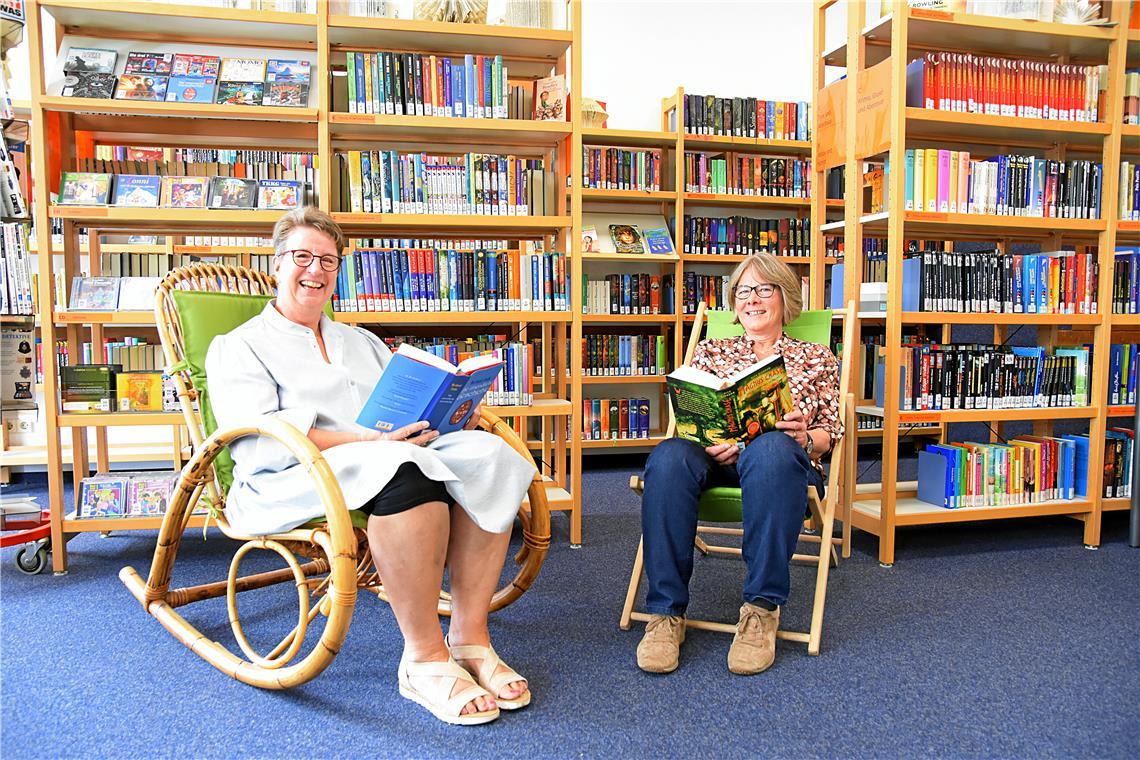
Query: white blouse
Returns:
{"type": "Point", "coordinates": [272, 365]}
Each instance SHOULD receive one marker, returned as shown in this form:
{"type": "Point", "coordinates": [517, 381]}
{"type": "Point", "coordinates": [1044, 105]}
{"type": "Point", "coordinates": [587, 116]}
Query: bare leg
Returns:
{"type": "Point", "coordinates": [409, 549]}
{"type": "Point", "coordinates": [475, 561]}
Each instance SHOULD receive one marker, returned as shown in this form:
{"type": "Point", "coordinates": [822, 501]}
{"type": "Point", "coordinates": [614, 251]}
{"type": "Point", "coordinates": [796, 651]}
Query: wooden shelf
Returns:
{"type": "Point", "coordinates": [73, 524]}
{"type": "Point", "coordinates": [193, 111]}
{"type": "Point", "coordinates": [664, 258]}
{"type": "Point", "coordinates": [129, 18]}
{"type": "Point", "coordinates": [1116, 504]}
{"type": "Point", "coordinates": [905, 431]}
{"type": "Point", "coordinates": [736, 258]}
{"type": "Point", "coordinates": [462, 131]}
{"type": "Point", "coordinates": [943, 30]}
{"type": "Point", "coordinates": [625, 443]}
{"type": "Point", "coordinates": [746, 144]}
{"type": "Point", "coordinates": [954, 318]}
{"type": "Point", "coordinates": [104, 317]}
{"type": "Point", "coordinates": [996, 415]}
{"type": "Point", "coordinates": [529, 52]}
{"type": "Point", "coordinates": [911, 511]}
{"type": "Point", "coordinates": [34, 455]}
{"type": "Point", "coordinates": [542, 407]}
{"type": "Point", "coordinates": [955, 127]}
{"type": "Point", "coordinates": [921, 224]}
{"type": "Point", "coordinates": [1128, 232]}
{"type": "Point", "coordinates": [449, 317]}
{"type": "Point", "coordinates": [758, 201]}
{"type": "Point", "coordinates": [120, 419]}
{"type": "Point", "coordinates": [469, 225]}
{"type": "Point", "coordinates": [170, 220]}
{"type": "Point", "coordinates": [628, 196]}
{"type": "Point", "coordinates": [594, 319]}
{"type": "Point", "coordinates": [621, 138]}
{"type": "Point", "coordinates": [17, 320]}
{"type": "Point", "coordinates": [623, 380]}
{"type": "Point", "coordinates": [1121, 410]}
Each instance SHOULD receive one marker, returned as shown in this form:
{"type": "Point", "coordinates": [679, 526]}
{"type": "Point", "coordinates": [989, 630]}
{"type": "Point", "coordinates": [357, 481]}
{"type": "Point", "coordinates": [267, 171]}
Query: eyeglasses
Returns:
{"type": "Point", "coordinates": [762, 291]}
{"type": "Point", "coordinates": [303, 258]}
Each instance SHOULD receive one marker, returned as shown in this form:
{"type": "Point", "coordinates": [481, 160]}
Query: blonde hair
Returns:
{"type": "Point", "coordinates": [768, 268]}
{"type": "Point", "coordinates": [307, 216]}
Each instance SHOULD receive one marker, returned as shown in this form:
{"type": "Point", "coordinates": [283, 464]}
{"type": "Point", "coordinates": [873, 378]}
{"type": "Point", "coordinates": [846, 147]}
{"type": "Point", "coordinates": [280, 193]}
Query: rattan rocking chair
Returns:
{"type": "Point", "coordinates": [193, 305]}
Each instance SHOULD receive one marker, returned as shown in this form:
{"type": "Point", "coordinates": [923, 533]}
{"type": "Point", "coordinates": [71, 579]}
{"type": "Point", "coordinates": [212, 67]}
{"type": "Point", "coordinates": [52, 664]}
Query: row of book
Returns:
{"type": "Point", "coordinates": [710, 288]}
{"type": "Point", "coordinates": [434, 280]}
{"type": "Point", "coordinates": [997, 86]}
{"type": "Point", "coordinates": [736, 235]}
{"type": "Point", "coordinates": [1025, 470]}
{"type": "Point", "coordinates": [186, 78]}
{"type": "Point", "coordinates": [1132, 97]}
{"type": "Point", "coordinates": [16, 270]}
{"type": "Point", "coordinates": [637, 293]}
{"type": "Point", "coordinates": [142, 494]}
{"type": "Point", "coordinates": [1126, 281]}
{"type": "Point", "coordinates": [615, 419]}
{"type": "Point", "coordinates": [514, 385]}
{"type": "Point", "coordinates": [621, 168]}
{"type": "Point", "coordinates": [1129, 190]}
{"type": "Point", "coordinates": [747, 117]}
{"type": "Point", "coordinates": [747, 174]}
{"type": "Point", "coordinates": [391, 182]}
{"type": "Point", "coordinates": [111, 293]}
{"type": "Point", "coordinates": [12, 202]}
{"type": "Point", "coordinates": [150, 191]}
{"type": "Point", "coordinates": [203, 162]}
{"type": "Point", "coordinates": [102, 388]}
{"type": "Point", "coordinates": [1122, 360]}
{"type": "Point", "coordinates": [624, 355]}
{"type": "Point", "coordinates": [946, 376]}
{"type": "Point", "coordinates": [950, 181]}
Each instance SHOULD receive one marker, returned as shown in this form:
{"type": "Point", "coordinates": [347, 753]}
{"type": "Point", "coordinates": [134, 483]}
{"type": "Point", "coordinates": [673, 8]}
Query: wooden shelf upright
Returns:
{"type": "Point", "coordinates": [875, 54]}
{"type": "Point", "coordinates": [325, 36]}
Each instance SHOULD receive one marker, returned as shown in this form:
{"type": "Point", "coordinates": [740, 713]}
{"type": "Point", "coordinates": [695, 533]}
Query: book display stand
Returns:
{"type": "Point", "coordinates": [325, 131]}
{"type": "Point", "coordinates": [865, 117]}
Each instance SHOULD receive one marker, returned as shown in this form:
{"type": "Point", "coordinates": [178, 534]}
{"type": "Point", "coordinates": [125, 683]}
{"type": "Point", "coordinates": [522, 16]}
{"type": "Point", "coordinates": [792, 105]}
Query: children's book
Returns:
{"type": "Point", "coordinates": [286, 94]}
{"type": "Point", "coordinates": [712, 410]}
{"type": "Point", "coordinates": [658, 240]}
{"type": "Point", "coordinates": [137, 190]}
{"type": "Point", "coordinates": [139, 391]}
{"type": "Point", "coordinates": [149, 63]}
{"type": "Point", "coordinates": [278, 193]}
{"type": "Point", "coordinates": [287, 71]}
{"type": "Point", "coordinates": [137, 293]}
{"type": "Point", "coordinates": [84, 189]}
{"type": "Point", "coordinates": [550, 99]}
{"type": "Point", "coordinates": [233, 192]}
{"type": "Point", "coordinates": [627, 238]}
{"type": "Point", "coordinates": [90, 60]}
{"type": "Point", "coordinates": [190, 89]}
{"type": "Point", "coordinates": [417, 385]}
{"type": "Point", "coordinates": [84, 84]}
{"type": "Point", "coordinates": [240, 93]}
{"type": "Point", "coordinates": [242, 70]}
{"type": "Point", "coordinates": [103, 496]}
{"type": "Point", "coordinates": [184, 192]}
{"type": "Point", "coordinates": [149, 495]}
{"type": "Point", "coordinates": [590, 239]}
{"type": "Point", "coordinates": [187, 65]}
{"type": "Point", "coordinates": [94, 294]}
{"type": "Point", "coordinates": [141, 87]}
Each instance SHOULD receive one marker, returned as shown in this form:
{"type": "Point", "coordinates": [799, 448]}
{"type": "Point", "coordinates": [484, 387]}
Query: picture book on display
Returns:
{"type": "Point", "coordinates": [184, 192]}
{"type": "Point", "coordinates": [627, 238]}
{"type": "Point", "coordinates": [141, 87]}
{"type": "Point", "coordinates": [187, 65]}
{"type": "Point", "coordinates": [83, 84]}
{"type": "Point", "coordinates": [94, 294]}
{"type": "Point", "coordinates": [242, 70]}
{"type": "Point", "coordinates": [240, 93]}
{"type": "Point", "coordinates": [286, 94]}
{"type": "Point", "coordinates": [137, 190]}
{"type": "Point", "coordinates": [711, 410]}
{"type": "Point", "coordinates": [84, 189]}
{"type": "Point", "coordinates": [149, 494]}
{"type": "Point", "coordinates": [287, 71]}
{"type": "Point", "coordinates": [149, 63]}
{"type": "Point", "coordinates": [658, 240]}
{"type": "Point", "coordinates": [190, 89]}
{"type": "Point", "coordinates": [590, 239]}
{"type": "Point", "coordinates": [90, 61]}
{"type": "Point", "coordinates": [417, 385]}
{"type": "Point", "coordinates": [103, 496]}
{"type": "Point", "coordinates": [550, 99]}
{"type": "Point", "coordinates": [278, 193]}
{"type": "Point", "coordinates": [233, 192]}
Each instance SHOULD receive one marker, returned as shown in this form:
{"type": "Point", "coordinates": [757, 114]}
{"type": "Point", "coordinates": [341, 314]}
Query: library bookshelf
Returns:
{"type": "Point", "coordinates": [883, 131]}
{"type": "Point", "coordinates": [325, 35]}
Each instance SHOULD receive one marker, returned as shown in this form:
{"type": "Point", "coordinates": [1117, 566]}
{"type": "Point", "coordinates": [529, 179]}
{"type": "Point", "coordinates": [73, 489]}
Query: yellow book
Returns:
{"type": "Point", "coordinates": [355, 183]}
{"type": "Point", "coordinates": [368, 82]}
{"type": "Point", "coordinates": [1033, 482]}
{"type": "Point", "coordinates": [779, 119]}
{"type": "Point", "coordinates": [930, 190]}
{"type": "Point", "coordinates": [954, 182]}
{"type": "Point", "coordinates": [139, 391]}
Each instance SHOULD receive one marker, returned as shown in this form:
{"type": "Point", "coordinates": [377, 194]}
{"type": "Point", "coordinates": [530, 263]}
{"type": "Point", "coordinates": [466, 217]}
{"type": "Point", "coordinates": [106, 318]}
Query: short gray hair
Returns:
{"type": "Point", "coordinates": [768, 267]}
{"type": "Point", "coordinates": [307, 216]}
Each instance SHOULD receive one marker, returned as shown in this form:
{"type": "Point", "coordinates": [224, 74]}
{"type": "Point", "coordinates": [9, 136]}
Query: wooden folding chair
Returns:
{"type": "Point", "coordinates": [195, 304]}
{"type": "Point", "coordinates": [723, 505]}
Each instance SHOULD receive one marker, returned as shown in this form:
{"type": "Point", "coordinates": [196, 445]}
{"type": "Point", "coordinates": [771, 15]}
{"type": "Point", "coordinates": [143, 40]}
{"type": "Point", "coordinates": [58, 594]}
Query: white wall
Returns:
{"type": "Point", "coordinates": [636, 52]}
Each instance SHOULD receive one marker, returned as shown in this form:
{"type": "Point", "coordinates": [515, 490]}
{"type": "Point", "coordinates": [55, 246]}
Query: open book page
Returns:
{"type": "Point", "coordinates": [736, 409]}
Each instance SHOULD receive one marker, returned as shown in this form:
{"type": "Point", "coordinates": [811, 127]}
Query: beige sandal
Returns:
{"type": "Point", "coordinates": [487, 676]}
{"type": "Point", "coordinates": [438, 698]}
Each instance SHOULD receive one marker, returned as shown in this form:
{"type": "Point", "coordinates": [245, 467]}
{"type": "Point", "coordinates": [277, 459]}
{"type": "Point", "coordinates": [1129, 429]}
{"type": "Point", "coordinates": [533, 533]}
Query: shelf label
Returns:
{"type": "Point", "coordinates": [931, 14]}
{"type": "Point", "coordinates": [920, 418]}
{"type": "Point", "coordinates": [355, 118]}
{"type": "Point", "coordinates": [927, 216]}
{"type": "Point", "coordinates": [872, 110]}
{"type": "Point", "coordinates": [831, 120]}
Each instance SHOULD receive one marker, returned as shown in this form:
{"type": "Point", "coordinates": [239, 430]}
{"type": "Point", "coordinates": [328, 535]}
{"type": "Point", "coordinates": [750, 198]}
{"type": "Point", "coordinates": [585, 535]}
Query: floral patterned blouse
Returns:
{"type": "Point", "coordinates": [813, 372]}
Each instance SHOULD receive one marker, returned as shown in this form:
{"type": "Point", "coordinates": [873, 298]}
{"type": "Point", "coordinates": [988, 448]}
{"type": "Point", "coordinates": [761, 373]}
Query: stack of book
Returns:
{"type": "Point", "coordinates": [623, 355]}
{"type": "Point", "coordinates": [747, 117]}
{"type": "Point", "coordinates": [17, 294]}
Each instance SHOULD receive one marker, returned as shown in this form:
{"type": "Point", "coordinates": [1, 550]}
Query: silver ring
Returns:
{"type": "Point", "coordinates": [740, 445]}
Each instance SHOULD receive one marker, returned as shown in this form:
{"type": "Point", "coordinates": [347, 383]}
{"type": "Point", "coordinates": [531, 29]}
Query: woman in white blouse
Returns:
{"type": "Point", "coordinates": [432, 501]}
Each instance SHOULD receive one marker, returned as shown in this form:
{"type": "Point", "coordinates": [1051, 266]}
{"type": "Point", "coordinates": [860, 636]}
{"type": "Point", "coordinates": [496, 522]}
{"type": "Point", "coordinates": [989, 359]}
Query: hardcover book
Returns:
{"type": "Point", "coordinates": [141, 87]}
{"type": "Point", "coordinates": [550, 99]}
{"type": "Point", "coordinates": [278, 193]}
{"type": "Point", "coordinates": [190, 89]}
{"type": "Point", "coordinates": [711, 410]}
{"type": "Point", "coordinates": [233, 192]}
{"type": "Point", "coordinates": [195, 65]}
{"type": "Point", "coordinates": [184, 192]}
{"type": "Point", "coordinates": [240, 93]}
{"type": "Point", "coordinates": [590, 239]}
{"type": "Point", "coordinates": [242, 70]}
{"type": "Point", "coordinates": [417, 385]}
{"type": "Point", "coordinates": [137, 190]}
{"type": "Point", "coordinates": [94, 294]}
{"type": "Point", "coordinates": [89, 85]}
{"type": "Point", "coordinates": [103, 496]}
{"type": "Point", "coordinates": [658, 240]}
{"type": "Point", "coordinates": [287, 71]}
{"type": "Point", "coordinates": [139, 391]}
{"type": "Point", "coordinates": [84, 189]}
{"type": "Point", "coordinates": [90, 60]}
{"type": "Point", "coordinates": [149, 63]}
{"type": "Point", "coordinates": [287, 94]}
{"type": "Point", "coordinates": [627, 238]}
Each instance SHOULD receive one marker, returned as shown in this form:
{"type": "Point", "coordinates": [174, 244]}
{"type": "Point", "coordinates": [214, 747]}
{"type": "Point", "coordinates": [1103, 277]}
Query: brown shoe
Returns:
{"type": "Point", "coordinates": [753, 647]}
{"type": "Point", "coordinates": [660, 647]}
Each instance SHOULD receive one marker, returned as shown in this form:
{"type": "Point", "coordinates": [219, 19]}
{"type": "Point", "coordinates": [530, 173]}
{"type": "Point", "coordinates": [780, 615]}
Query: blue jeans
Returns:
{"type": "Point", "coordinates": [773, 473]}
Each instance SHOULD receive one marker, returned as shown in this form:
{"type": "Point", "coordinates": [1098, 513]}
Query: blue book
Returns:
{"type": "Point", "coordinates": [190, 89]}
{"type": "Point", "coordinates": [936, 479]}
{"type": "Point", "coordinates": [488, 81]}
{"type": "Point", "coordinates": [912, 284]}
{"type": "Point", "coordinates": [836, 299]}
{"type": "Point", "coordinates": [915, 91]}
{"type": "Point", "coordinates": [137, 190]}
{"type": "Point", "coordinates": [658, 240]}
{"type": "Point", "coordinates": [908, 193]}
{"type": "Point", "coordinates": [1080, 463]}
{"type": "Point", "coordinates": [417, 385]}
{"type": "Point", "coordinates": [363, 285]}
{"type": "Point", "coordinates": [469, 86]}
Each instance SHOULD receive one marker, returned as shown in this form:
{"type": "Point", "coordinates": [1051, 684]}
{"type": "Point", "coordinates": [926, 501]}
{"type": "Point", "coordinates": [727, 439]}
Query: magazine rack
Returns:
{"type": "Point", "coordinates": [722, 505]}
{"type": "Point", "coordinates": [194, 304]}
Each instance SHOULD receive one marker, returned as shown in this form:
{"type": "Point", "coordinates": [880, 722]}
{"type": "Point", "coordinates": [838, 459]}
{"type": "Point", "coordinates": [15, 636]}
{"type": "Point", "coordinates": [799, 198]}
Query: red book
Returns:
{"type": "Point", "coordinates": [623, 418]}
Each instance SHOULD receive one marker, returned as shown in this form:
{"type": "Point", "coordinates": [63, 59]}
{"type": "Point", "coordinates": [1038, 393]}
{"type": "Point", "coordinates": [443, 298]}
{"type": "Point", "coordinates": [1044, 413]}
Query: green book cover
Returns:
{"type": "Point", "coordinates": [711, 410]}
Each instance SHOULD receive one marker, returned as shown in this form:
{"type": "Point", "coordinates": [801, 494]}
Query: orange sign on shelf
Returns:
{"type": "Point", "coordinates": [920, 417]}
{"type": "Point", "coordinates": [931, 14]}
{"type": "Point", "coordinates": [872, 110]}
{"type": "Point", "coordinates": [831, 120]}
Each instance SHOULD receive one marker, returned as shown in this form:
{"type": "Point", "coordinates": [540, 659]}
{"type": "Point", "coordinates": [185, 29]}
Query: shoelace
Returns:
{"type": "Point", "coordinates": [669, 623]}
{"type": "Point", "coordinates": [751, 624]}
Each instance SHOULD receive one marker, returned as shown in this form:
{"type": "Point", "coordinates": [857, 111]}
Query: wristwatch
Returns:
{"type": "Point", "coordinates": [809, 447]}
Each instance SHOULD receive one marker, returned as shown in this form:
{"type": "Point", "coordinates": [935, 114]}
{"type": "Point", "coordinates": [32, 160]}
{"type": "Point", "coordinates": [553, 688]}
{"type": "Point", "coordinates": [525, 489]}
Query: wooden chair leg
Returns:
{"type": "Point", "coordinates": [634, 586]}
{"type": "Point", "coordinates": [816, 630]}
{"type": "Point", "coordinates": [702, 545]}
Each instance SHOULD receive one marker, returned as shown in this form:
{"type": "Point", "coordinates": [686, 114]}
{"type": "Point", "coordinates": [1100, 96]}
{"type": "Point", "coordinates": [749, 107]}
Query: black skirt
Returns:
{"type": "Point", "coordinates": [408, 488]}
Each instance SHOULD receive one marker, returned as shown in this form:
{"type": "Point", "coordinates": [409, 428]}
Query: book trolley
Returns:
{"type": "Point", "coordinates": [322, 130]}
{"type": "Point", "coordinates": [865, 116]}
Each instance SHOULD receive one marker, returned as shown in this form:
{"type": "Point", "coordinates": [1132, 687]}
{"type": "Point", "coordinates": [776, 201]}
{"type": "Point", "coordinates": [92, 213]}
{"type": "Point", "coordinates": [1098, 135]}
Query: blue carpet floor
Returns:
{"type": "Point", "coordinates": [995, 640]}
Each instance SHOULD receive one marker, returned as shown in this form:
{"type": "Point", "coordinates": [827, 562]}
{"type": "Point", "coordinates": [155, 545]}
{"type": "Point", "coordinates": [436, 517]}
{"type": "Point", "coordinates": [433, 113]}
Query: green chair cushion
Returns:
{"type": "Point", "coordinates": [720, 505]}
{"type": "Point", "coordinates": [359, 520]}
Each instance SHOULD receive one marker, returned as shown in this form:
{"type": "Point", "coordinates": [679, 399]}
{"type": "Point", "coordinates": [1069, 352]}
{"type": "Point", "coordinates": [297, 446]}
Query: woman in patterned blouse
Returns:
{"type": "Point", "coordinates": [773, 472]}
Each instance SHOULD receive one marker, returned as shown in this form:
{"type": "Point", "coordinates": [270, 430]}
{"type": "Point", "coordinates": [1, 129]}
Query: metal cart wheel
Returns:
{"type": "Point", "coordinates": [32, 559]}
